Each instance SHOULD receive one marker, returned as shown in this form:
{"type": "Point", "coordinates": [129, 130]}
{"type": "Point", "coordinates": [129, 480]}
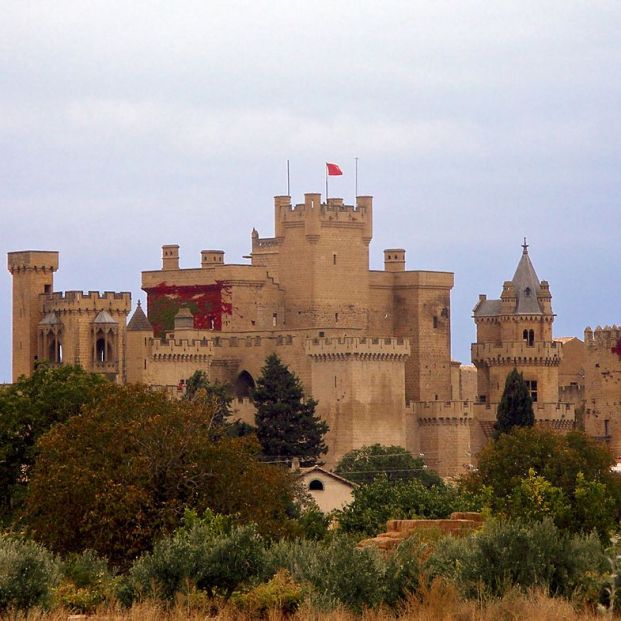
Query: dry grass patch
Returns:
{"type": "Point", "coordinates": [439, 602]}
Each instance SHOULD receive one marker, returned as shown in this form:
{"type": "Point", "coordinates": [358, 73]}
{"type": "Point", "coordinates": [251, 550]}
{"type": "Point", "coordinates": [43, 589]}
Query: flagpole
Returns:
{"type": "Point", "coordinates": [356, 194]}
{"type": "Point", "coordinates": [288, 180]}
{"type": "Point", "coordinates": [326, 184]}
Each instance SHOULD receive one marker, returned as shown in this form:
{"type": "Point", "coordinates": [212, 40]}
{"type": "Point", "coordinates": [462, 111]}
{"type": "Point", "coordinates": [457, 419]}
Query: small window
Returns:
{"type": "Point", "coordinates": [435, 321]}
{"type": "Point", "coordinates": [334, 259]}
{"type": "Point", "coordinates": [315, 485]}
{"type": "Point", "coordinates": [274, 319]}
{"type": "Point", "coordinates": [606, 427]}
{"type": "Point", "coordinates": [532, 388]}
{"type": "Point", "coordinates": [322, 334]}
{"type": "Point", "coordinates": [48, 289]}
{"type": "Point", "coordinates": [336, 317]}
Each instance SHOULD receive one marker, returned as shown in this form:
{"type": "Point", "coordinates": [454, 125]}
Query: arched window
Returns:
{"type": "Point", "coordinates": [55, 350]}
{"type": "Point", "coordinates": [315, 485]}
{"type": "Point", "coordinates": [100, 352]}
{"type": "Point", "coordinates": [531, 337]}
{"type": "Point", "coordinates": [244, 385]}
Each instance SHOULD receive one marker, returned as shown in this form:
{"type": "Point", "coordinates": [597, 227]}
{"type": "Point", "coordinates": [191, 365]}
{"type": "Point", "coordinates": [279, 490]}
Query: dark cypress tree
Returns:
{"type": "Point", "coordinates": [287, 425]}
{"type": "Point", "coordinates": [516, 406]}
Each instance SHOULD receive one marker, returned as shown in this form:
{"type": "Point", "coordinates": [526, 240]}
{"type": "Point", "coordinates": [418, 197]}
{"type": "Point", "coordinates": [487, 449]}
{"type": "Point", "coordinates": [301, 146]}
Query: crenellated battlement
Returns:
{"type": "Point", "coordinates": [71, 301]}
{"type": "Point", "coordinates": [607, 336]}
{"type": "Point", "coordinates": [211, 345]}
{"type": "Point", "coordinates": [491, 354]}
{"type": "Point", "coordinates": [544, 412]}
{"type": "Point", "coordinates": [441, 412]}
{"type": "Point", "coordinates": [371, 348]}
{"type": "Point", "coordinates": [313, 214]}
{"type": "Point", "coordinates": [174, 350]}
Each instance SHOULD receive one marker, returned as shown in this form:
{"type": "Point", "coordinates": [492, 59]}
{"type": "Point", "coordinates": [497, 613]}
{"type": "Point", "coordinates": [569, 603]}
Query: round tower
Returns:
{"type": "Point", "coordinates": [33, 279]}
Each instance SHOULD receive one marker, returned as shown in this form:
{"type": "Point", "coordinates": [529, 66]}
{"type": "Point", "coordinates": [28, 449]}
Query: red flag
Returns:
{"type": "Point", "coordinates": [333, 169]}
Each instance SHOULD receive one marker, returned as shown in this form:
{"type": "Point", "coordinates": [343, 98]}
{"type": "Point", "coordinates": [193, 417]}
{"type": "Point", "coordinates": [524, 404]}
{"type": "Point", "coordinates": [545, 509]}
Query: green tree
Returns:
{"type": "Point", "coordinates": [287, 425]}
{"type": "Point", "coordinates": [395, 463]}
{"type": "Point", "coordinates": [516, 406]}
{"type": "Point", "coordinates": [28, 409]}
{"type": "Point", "coordinates": [198, 387]}
{"type": "Point", "coordinates": [212, 553]}
{"type": "Point", "coordinates": [121, 474]}
{"type": "Point", "coordinates": [528, 466]}
{"type": "Point", "coordinates": [375, 503]}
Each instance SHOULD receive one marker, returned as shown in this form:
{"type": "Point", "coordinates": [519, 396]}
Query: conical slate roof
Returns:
{"type": "Point", "coordinates": [104, 317]}
{"type": "Point", "coordinates": [526, 285]}
{"type": "Point", "coordinates": [139, 321]}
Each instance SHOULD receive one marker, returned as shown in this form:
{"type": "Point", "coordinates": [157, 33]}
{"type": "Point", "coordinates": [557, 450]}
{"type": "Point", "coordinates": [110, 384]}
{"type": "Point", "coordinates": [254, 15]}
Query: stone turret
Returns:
{"type": "Point", "coordinates": [139, 334]}
{"type": "Point", "coordinates": [516, 331]}
{"type": "Point", "coordinates": [33, 279]}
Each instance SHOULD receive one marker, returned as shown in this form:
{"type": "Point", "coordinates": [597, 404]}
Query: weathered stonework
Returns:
{"type": "Point", "coordinates": [372, 346]}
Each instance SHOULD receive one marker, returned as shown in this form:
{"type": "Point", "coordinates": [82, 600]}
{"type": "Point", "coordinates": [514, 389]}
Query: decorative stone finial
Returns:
{"type": "Point", "coordinates": [525, 247]}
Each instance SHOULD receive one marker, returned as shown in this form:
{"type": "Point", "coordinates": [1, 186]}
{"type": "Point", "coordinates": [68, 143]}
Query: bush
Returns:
{"type": "Point", "coordinates": [509, 554]}
{"type": "Point", "coordinates": [280, 593]}
{"type": "Point", "coordinates": [87, 583]}
{"type": "Point", "coordinates": [377, 502]}
{"type": "Point", "coordinates": [208, 553]}
{"type": "Point", "coordinates": [403, 570]}
{"type": "Point", "coordinates": [337, 571]}
{"type": "Point", "coordinates": [313, 523]}
{"type": "Point", "coordinates": [28, 572]}
{"type": "Point", "coordinates": [535, 473]}
{"type": "Point", "coordinates": [369, 463]}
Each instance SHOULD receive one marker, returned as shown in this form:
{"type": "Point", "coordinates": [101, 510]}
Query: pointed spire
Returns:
{"type": "Point", "coordinates": [139, 321]}
{"type": "Point", "coordinates": [527, 285]}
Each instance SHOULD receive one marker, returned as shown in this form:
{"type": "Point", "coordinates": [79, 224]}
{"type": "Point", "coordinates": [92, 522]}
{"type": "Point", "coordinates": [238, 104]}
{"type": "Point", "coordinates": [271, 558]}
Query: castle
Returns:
{"type": "Point", "coordinates": [371, 346]}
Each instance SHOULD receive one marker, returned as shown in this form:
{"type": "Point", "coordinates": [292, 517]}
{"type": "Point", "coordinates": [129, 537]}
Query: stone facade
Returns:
{"type": "Point", "coordinates": [372, 346]}
{"type": "Point", "coordinates": [602, 385]}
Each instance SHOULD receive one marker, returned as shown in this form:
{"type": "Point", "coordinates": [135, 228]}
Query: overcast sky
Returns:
{"type": "Point", "coordinates": [128, 125]}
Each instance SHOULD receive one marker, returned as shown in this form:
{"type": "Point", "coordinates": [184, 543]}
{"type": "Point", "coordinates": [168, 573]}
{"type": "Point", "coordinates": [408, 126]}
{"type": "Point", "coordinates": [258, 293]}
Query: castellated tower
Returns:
{"type": "Point", "coordinates": [516, 332]}
{"type": "Point", "coordinates": [320, 256]}
{"type": "Point", "coordinates": [33, 277]}
{"type": "Point", "coordinates": [602, 416]}
{"type": "Point", "coordinates": [87, 329]}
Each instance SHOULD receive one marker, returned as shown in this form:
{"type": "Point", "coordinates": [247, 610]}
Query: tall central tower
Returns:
{"type": "Point", "coordinates": [323, 261]}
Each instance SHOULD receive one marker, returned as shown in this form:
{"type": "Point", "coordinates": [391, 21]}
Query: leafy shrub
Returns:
{"type": "Point", "coordinates": [402, 573]}
{"type": "Point", "coordinates": [208, 553]}
{"type": "Point", "coordinates": [535, 473]}
{"type": "Point", "coordinates": [368, 463]}
{"type": "Point", "coordinates": [280, 593]}
{"type": "Point", "coordinates": [337, 571]}
{"type": "Point", "coordinates": [28, 572]}
{"type": "Point", "coordinates": [86, 569]}
{"type": "Point", "coordinates": [377, 502]}
{"type": "Point", "coordinates": [87, 583]}
{"type": "Point", "coordinates": [510, 554]}
{"type": "Point", "coordinates": [313, 523]}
